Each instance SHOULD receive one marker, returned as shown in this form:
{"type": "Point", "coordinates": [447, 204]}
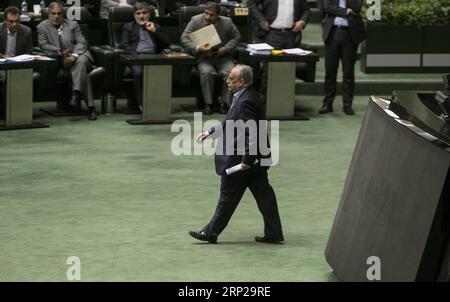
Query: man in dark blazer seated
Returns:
{"type": "Point", "coordinates": [239, 145]}
{"type": "Point", "coordinates": [64, 38]}
{"type": "Point", "coordinates": [279, 23]}
{"type": "Point", "coordinates": [15, 40]}
{"type": "Point", "coordinates": [142, 36]}
{"type": "Point", "coordinates": [343, 30]}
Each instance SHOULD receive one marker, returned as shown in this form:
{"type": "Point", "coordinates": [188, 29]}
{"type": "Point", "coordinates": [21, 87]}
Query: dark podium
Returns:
{"type": "Point", "coordinates": [395, 202]}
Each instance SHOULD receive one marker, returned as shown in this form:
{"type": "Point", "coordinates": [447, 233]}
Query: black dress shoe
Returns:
{"type": "Point", "coordinates": [75, 100]}
{"type": "Point", "coordinates": [223, 108]}
{"type": "Point", "coordinates": [348, 110]}
{"type": "Point", "coordinates": [92, 116]}
{"type": "Point", "coordinates": [207, 110]}
{"type": "Point", "coordinates": [203, 237]}
{"type": "Point", "coordinates": [325, 109]}
{"type": "Point", "coordinates": [269, 239]}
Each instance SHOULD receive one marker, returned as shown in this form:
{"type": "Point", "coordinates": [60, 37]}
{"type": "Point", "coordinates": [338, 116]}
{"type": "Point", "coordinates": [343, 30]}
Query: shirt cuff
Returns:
{"type": "Point", "coordinates": [75, 55]}
{"type": "Point", "coordinates": [348, 11]}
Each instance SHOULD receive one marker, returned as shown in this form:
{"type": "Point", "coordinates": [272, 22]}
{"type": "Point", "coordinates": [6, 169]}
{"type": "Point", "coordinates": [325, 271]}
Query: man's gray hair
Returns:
{"type": "Point", "coordinates": [245, 73]}
{"type": "Point", "coordinates": [141, 6]}
{"type": "Point", "coordinates": [53, 4]}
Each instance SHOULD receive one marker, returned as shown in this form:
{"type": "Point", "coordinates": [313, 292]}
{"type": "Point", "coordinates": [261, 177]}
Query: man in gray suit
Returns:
{"type": "Point", "coordinates": [213, 60]}
{"type": "Point", "coordinates": [64, 38]}
{"type": "Point", "coordinates": [106, 4]}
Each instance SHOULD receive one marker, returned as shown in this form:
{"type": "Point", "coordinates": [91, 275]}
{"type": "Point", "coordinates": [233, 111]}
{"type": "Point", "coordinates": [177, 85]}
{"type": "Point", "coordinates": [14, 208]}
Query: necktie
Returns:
{"type": "Point", "coordinates": [60, 38]}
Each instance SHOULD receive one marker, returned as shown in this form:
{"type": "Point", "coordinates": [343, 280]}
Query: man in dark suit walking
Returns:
{"type": "Point", "coordinates": [279, 23]}
{"type": "Point", "coordinates": [15, 40]}
{"type": "Point", "coordinates": [343, 30]}
{"type": "Point", "coordinates": [142, 36]}
{"type": "Point", "coordinates": [239, 145]}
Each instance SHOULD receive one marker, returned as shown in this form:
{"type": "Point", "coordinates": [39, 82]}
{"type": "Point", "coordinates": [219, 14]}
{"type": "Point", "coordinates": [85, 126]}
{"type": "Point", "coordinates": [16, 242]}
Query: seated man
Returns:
{"type": "Point", "coordinates": [15, 40]}
{"type": "Point", "coordinates": [106, 4]}
{"type": "Point", "coordinates": [213, 60]}
{"type": "Point", "coordinates": [64, 38]}
{"type": "Point", "coordinates": [142, 36]}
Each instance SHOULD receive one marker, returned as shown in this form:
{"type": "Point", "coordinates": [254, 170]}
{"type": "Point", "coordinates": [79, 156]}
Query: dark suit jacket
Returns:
{"type": "Point", "coordinates": [24, 41]}
{"type": "Point", "coordinates": [248, 107]}
{"type": "Point", "coordinates": [130, 38]}
{"type": "Point", "coordinates": [331, 9]}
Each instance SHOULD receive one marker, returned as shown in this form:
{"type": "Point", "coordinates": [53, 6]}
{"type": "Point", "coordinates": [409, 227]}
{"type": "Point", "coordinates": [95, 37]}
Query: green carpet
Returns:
{"type": "Point", "coordinates": [115, 196]}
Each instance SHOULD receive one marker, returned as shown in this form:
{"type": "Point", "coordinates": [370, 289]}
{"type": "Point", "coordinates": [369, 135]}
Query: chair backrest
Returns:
{"type": "Point", "coordinates": [117, 18]}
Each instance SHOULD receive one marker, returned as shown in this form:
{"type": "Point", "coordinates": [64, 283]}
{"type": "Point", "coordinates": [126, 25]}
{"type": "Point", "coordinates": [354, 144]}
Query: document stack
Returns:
{"type": "Point", "coordinates": [260, 49]}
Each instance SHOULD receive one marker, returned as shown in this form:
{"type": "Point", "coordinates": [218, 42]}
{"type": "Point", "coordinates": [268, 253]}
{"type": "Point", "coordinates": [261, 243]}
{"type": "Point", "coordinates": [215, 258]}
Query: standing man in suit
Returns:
{"type": "Point", "coordinates": [15, 40]}
{"type": "Point", "coordinates": [343, 30]}
{"type": "Point", "coordinates": [142, 36]}
{"type": "Point", "coordinates": [64, 38]}
{"type": "Point", "coordinates": [280, 23]}
{"type": "Point", "coordinates": [213, 60]}
{"type": "Point", "coordinates": [242, 149]}
{"type": "Point", "coordinates": [106, 4]}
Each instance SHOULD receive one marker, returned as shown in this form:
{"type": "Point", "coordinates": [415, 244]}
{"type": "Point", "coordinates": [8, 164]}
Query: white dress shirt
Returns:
{"type": "Point", "coordinates": [285, 15]}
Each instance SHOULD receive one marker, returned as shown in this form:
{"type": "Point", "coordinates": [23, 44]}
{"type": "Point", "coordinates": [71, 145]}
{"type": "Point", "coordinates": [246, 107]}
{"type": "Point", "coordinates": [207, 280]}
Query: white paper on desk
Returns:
{"type": "Point", "coordinates": [236, 168]}
{"type": "Point", "coordinates": [207, 34]}
{"type": "Point", "coordinates": [259, 47]}
{"type": "Point", "coordinates": [296, 51]}
{"type": "Point", "coordinates": [21, 58]}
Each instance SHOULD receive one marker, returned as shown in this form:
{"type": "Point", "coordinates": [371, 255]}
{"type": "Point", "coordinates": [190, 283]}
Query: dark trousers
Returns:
{"type": "Point", "coordinates": [278, 40]}
{"type": "Point", "coordinates": [2, 95]}
{"type": "Point", "coordinates": [232, 188]}
{"type": "Point", "coordinates": [339, 46]}
{"type": "Point", "coordinates": [138, 78]}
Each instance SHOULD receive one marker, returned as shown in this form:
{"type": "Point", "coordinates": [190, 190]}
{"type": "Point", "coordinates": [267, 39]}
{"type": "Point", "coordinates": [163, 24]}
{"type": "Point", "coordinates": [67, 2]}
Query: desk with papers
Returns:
{"type": "Point", "coordinates": [280, 96]}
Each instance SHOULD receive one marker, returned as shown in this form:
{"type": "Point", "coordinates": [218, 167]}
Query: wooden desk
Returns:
{"type": "Point", "coordinates": [157, 97]}
{"type": "Point", "coordinates": [280, 94]}
{"type": "Point", "coordinates": [19, 94]}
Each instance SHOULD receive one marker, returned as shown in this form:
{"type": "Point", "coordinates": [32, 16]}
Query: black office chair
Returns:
{"type": "Point", "coordinates": [123, 76]}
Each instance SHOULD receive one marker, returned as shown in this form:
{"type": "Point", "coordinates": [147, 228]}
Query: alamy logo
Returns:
{"type": "Point", "coordinates": [249, 137]}
{"type": "Point", "coordinates": [73, 273]}
{"type": "Point", "coordinates": [374, 271]}
{"type": "Point", "coordinates": [74, 11]}
{"type": "Point", "coordinates": [373, 10]}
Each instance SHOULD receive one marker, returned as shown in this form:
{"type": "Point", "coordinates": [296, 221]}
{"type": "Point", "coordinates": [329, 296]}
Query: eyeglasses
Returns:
{"type": "Point", "coordinates": [232, 80]}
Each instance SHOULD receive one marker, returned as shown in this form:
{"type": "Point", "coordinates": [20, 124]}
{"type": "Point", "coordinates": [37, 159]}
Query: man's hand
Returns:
{"type": "Point", "coordinates": [244, 167]}
{"type": "Point", "coordinates": [351, 12]}
{"type": "Point", "coordinates": [70, 60]}
{"type": "Point", "coordinates": [150, 26]}
{"type": "Point", "coordinates": [265, 25]}
{"type": "Point", "coordinates": [298, 26]}
{"type": "Point", "coordinates": [222, 51]}
{"type": "Point", "coordinates": [201, 137]}
{"type": "Point", "coordinates": [204, 48]}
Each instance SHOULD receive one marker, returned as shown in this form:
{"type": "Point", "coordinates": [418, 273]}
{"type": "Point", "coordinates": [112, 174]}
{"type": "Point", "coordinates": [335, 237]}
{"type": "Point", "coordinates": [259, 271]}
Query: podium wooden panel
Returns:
{"type": "Point", "coordinates": [393, 204]}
